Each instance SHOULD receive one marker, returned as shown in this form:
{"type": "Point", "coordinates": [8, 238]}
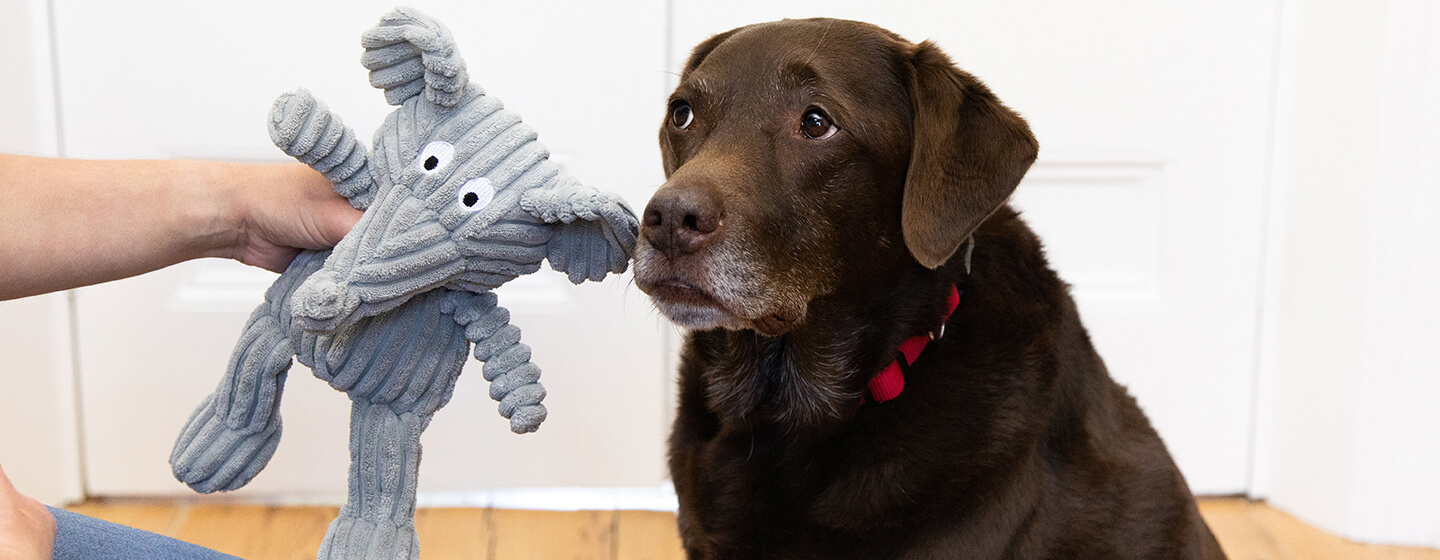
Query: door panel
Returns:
{"type": "Point", "coordinates": [1153, 120]}
{"type": "Point", "coordinates": [170, 78]}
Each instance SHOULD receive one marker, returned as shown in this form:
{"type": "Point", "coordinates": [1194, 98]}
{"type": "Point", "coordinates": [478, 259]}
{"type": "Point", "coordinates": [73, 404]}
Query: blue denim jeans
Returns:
{"type": "Point", "coordinates": [78, 537]}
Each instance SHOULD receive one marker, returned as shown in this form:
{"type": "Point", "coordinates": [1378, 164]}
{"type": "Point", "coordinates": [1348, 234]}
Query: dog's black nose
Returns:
{"type": "Point", "coordinates": [681, 220]}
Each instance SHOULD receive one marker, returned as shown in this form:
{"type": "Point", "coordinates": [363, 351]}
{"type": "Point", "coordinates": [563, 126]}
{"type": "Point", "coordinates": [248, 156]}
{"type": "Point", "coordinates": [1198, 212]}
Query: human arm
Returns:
{"type": "Point", "coordinates": [69, 223]}
{"type": "Point", "coordinates": [27, 530]}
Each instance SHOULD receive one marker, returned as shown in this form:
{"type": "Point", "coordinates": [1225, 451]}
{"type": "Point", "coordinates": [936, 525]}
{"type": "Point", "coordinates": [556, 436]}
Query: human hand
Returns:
{"type": "Point", "coordinates": [27, 530]}
{"type": "Point", "coordinates": [282, 209]}
{"type": "Point", "coordinates": [69, 223]}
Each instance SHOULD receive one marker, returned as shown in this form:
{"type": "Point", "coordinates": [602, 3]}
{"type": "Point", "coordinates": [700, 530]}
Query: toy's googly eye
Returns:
{"type": "Point", "coordinates": [475, 194]}
{"type": "Point", "coordinates": [435, 156]}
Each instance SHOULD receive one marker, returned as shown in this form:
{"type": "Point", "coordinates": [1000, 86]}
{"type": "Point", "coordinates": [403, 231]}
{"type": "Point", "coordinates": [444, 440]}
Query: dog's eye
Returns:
{"type": "Point", "coordinates": [815, 124]}
{"type": "Point", "coordinates": [434, 156]}
{"type": "Point", "coordinates": [475, 194]}
{"type": "Point", "coordinates": [680, 115]}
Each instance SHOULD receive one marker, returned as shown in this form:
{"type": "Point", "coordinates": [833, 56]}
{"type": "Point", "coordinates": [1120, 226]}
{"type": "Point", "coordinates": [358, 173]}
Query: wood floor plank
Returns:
{"type": "Point", "coordinates": [454, 533]}
{"type": "Point", "coordinates": [1301, 540]}
{"type": "Point", "coordinates": [228, 528]}
{"type": "Point", "coordinates": [258, 532]}
{"type": "Point", "coordinates": [552, 535]}
{"type": "Point", "coordinates": [1247, 530]}
{"type": "Point", "coordinates": [290, 533]}
{"type": "Point", "coordinates": [1240, 537]}
{"type": "Point", "coordinates": [647, 535]}
{"type": "Point", "coordinates": [163, 518]}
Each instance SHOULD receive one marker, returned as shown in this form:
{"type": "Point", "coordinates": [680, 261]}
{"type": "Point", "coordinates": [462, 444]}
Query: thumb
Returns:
{"type": "Point", "coordinates": [336, 219]}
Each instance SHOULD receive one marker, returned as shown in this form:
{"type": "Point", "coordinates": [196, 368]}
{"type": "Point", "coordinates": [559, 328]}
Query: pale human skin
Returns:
{"type": "Point", "coordinates": [27, 531]}
{"type": "Point", "coordinates": [71, 223]}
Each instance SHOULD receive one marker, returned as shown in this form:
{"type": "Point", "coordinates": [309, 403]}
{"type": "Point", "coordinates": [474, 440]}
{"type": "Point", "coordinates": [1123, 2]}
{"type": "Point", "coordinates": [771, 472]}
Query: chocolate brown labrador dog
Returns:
{"type": "Point", "coordinates": [880, 363]}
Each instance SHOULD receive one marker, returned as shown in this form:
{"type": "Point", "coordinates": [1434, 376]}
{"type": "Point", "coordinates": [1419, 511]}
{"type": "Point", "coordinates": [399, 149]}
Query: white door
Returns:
{"type": "Point", "coordinates": [178, 79]}
{"type": "Point", "coordinates": [1148, 193]}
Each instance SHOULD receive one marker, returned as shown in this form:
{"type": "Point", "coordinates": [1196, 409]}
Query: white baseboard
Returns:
{"type": "Point", "coordinates": [658, 498]}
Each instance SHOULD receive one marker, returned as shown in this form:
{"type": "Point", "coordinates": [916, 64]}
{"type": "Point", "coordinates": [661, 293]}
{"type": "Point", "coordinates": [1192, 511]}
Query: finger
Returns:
{"type": "Point", "coordinates": [273, 259]}
{"type": "Point", "coordinates": [337, 218]}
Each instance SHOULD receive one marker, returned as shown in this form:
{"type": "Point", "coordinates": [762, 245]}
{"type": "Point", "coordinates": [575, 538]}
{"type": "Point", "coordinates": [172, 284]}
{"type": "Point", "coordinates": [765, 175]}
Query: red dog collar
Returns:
{"type": "Point", "coordinates": [890, 381]}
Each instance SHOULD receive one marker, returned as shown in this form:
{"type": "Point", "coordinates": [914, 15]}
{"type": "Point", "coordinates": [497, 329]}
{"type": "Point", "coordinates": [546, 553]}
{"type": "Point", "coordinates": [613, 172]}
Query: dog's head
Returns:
{"type": "Point", "coordinates": [806, 157]}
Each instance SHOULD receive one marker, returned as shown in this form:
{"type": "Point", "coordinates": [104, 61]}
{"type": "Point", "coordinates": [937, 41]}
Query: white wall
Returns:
{"type": "Point", "coordinates": [38, 445]}
{"type": "Point", "coordinates": [1350, 435]}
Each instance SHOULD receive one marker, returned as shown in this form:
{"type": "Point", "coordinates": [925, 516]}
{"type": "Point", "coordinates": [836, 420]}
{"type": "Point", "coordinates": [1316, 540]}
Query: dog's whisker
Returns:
{"type": "Point", "coordinates": [823, 34]}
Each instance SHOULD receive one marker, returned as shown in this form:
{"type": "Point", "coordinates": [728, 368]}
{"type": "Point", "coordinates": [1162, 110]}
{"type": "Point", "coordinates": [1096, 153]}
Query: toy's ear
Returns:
{"type": "Point", "coordinates": [968, 154]}
{"type": "Point", "coordinates": [595, 231]}
{"type": "Point", "coordinates": [305, 129]}
{"type": "Point", "coordinates": [408, 52]}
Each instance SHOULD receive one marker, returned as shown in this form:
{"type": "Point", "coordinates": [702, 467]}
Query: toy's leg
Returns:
{"type": "Point", "coordinates": [514, 380]}
{"type": "Point", "coordinates": [398, 368]}
{"type": "Point", "coordinates": [378, 519]}
{"type": "Point", "coordinates": [235, 430]}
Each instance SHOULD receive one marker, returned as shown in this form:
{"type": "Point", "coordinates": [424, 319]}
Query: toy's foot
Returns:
{"type": "Point", "coordinates": [527, 419]}
{"type": "Point", "coordinates": [354, 538]}
{"type": "Point", "coordinates": [210, 456]}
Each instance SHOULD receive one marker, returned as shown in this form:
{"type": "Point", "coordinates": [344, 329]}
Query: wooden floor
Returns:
{"type": "Point", "coordinates": [1247, 530]}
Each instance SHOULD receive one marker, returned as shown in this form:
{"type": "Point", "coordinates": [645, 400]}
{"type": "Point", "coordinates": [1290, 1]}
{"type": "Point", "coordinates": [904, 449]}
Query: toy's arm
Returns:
{"type": "Point", "coordinates": [232, 434]}
{"type": "Point", "coordinates": [596, 230]}
{"type": "Point", "coordinates": [514, 380]}
{"type": "Point", "coordinates": [305, 129]}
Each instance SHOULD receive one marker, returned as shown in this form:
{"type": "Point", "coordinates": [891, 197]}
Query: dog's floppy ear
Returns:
{"type": "Point", "coordinates": [703, 49]}
{"type": "Point", "coordinates": [969, 153]}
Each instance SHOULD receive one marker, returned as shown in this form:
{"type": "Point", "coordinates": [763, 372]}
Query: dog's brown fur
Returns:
{"type": "Point", "coordinates": [800, 263]}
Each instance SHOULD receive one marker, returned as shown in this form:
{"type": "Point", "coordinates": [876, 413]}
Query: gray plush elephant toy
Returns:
{"type": "Point", "coordinates": [459, 198]}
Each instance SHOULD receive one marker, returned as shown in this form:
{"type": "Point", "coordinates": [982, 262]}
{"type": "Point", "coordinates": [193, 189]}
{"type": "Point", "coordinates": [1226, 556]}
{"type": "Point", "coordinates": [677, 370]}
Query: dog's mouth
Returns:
{"type": "Point", "coordinates": [708, 293]}
{"type": "Point", "coordinates": [687, 304]}
{"type": "Point", "coordinates": [678, 292]}
{"type": "Point", "coordinates": [693, 307]}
